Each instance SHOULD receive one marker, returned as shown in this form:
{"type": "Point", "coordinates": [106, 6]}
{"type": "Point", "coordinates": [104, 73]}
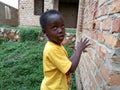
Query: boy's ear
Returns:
{"type": "Point", "coordinates": [43, 31]}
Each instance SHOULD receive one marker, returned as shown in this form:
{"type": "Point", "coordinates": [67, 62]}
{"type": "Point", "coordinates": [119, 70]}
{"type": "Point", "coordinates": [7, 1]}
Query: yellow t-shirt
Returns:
{"type": "Point", "coordinates": [55, 66]}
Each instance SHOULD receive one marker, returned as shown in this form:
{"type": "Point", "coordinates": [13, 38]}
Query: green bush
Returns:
{"type": "Point", "coordinates": [1, 40]}
{"type": "Point", "coordinates": [29, 34]}
{"type": "Point", "coordinates": [70, 30]}
{"type": "Point", "coordinates": [5, 39]}
{"type": "Point", "coordinates": [5, 26]}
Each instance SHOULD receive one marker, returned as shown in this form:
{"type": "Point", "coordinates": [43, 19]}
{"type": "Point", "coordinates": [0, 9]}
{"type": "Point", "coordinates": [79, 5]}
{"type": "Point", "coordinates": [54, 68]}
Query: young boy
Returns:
{"type": "Point", "coordinates": [56, 64]}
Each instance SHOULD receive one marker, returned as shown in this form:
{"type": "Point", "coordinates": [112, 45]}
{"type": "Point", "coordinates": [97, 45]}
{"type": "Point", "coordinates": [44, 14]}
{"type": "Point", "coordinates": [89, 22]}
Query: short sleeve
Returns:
{"type": "Point", "coordinates": [60, 59]}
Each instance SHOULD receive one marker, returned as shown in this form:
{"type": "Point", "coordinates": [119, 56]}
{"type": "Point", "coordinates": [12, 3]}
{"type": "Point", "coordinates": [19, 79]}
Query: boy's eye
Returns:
{"type": "Point", "coordinates": [54, 28]}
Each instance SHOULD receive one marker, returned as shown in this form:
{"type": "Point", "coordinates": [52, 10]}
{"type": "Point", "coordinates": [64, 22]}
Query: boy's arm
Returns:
{"type": "Point", "coordinates": [75, 58]}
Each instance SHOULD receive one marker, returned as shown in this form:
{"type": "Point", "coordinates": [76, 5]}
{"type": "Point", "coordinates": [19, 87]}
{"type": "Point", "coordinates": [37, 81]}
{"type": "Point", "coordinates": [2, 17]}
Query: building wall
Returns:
{"type": "Point", "coordinates": [48, 4]}
{"type": "Point", "coordinates": [12, 15]}
{"type": "Point", "coordinates": [27, 15]}
{"type": "Point", "coordinates": [99, 67]}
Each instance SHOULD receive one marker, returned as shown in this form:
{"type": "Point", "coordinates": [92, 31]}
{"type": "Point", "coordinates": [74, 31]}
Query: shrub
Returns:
{"type": "Point", "coordinates": [1, 40]}
{"type": "Point", "coordinates": [30, 34]}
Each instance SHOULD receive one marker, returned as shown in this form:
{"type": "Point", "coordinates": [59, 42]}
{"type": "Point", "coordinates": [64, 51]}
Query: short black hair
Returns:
{"type": "Point", "coordinates": [43, 18]}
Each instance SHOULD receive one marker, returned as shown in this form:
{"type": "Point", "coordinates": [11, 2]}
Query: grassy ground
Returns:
{"type": "Point", "coordinates": [21, 65]}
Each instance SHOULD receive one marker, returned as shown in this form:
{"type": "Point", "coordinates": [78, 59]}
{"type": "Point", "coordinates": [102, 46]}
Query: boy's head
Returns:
{"type": "Point", "coordinates": [52, 24]}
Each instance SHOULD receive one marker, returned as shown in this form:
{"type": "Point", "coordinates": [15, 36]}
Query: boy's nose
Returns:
{"type": "Point", "coordinates": [59, 30]}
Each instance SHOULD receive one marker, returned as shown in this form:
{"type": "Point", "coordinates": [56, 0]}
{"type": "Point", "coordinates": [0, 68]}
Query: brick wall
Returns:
{"type": "Point", "coordinates": [26, 13]}
{"type": "Point", "coordinates": [27, 16]}
{"type": "Point", "coordinates": [99, 67]}
{"type": "Point", "coordinates": [30, 10]}
{"type": "Point", "coordinates": [48, 4]}
{"type": "Point", "coordinates": [12, 18]}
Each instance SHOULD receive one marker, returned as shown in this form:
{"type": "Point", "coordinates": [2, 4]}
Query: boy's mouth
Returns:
{"type": "Point", "coordinates": [61, 37]}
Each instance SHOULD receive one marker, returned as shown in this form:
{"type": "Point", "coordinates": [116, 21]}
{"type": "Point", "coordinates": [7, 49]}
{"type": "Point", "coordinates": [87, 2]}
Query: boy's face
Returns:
{"type": "Point", "coordinates": [55, 29]}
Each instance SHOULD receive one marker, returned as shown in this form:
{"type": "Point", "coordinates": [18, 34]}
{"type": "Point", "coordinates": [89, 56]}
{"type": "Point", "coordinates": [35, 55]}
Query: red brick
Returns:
{"type": "Point", "coordinates": [115, 59]}
{"type": "Point", "coordinates": [116, 25]}
{"type": "Point", "coordinates": [92, 43]}
{"type": "Point", "coordinates": [98, 62]}
{"type": "Point", "coordinates": [99, 79]}
{"type": "Point", "coordinates": [103, 10]}
{"type": "Point", "coordinates": [112, 41]}
{"type": "Point", "coordinates": [106, 24]}
{"type": "Point", "coordinates": [92, 68]}
{"type": "Point", "coordinates": [115, 7]}
{"type": "Point", "coordinates": [86, 32]}
{"type": "Point", "coordinates": [102, 52]}
{"type": "Point", "coordinates": [92, 8]}
{"type": "Point", "coordinates": [93, 82]}
{"type": "Point", "coordinates": [91, 53]}
{"type": "Point", "coordinates": [105, 72]}
{"type": "Point", "coordinates": [104, 88]}
{"type": "Point", "coordinates": [117, 44]}
{"type": "Point", "coordinates": [115, 78]}
{"type": "Point", "coordinates": [101, 37]}
{"type": "Point", "coordinates": [85, 61]}
{"type": "Point", "coordinates": [111, 77]}
{"type": "Point", "coordinates": [97, 48]}
{"type": "Point", "coordinates": [94, 34]}
{"type": "Point", "coordinates": [97, 25]}
{"type": "Point", "coordinates": [101, 2]}
{"type": "Point", "coordinates": [95, 10]}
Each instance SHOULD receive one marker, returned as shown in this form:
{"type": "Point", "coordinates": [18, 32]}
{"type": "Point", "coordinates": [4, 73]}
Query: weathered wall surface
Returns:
{"type": "Point", "coordinates": [30, 11]}
{"type": "Point", "coordinates": [28, 16]}
{"type": "Point", "coordinates": [8, 15]}
{"type": "Point", "coordinates": [26, 13]}
{"type": "Point", "coordinates": [48, 4]}
{"type": "Point", "coordinates": [99, 68]}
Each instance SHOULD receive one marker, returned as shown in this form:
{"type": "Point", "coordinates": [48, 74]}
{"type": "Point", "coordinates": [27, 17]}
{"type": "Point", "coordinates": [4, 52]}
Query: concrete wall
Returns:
{"type": "Point", "coordinates": [99, 67]}
{"type": "Point", "coordinates": [12, 19]}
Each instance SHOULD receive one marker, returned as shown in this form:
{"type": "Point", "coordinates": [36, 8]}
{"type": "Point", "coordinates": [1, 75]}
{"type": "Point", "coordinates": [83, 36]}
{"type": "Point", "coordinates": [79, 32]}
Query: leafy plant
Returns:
{"type": "Point", "coordinates": [71, 30]}
{"type": "Point", "coordinates": [29, 34]}
{"type": "Point", "coordinates": [1, 40]}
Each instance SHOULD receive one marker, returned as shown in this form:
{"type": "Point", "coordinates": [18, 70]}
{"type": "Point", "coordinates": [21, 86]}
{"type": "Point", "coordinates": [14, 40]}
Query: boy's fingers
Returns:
{"type": "Point", "coordinates": [78, 43]}
{"type": "Point", "coordinates": [85, 40]}
{"type": "Point", "coordinates": [88, 45]}
{"type": "Point", "coordinates": [81, 40]}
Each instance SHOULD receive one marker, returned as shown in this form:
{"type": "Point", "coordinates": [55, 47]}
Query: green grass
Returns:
{"type": "Point", "coordinates": [21, 65]}
{"type": "Point", "coordinates": [21, 28]}
{"type": "Point", "coordinates": [70, 30]}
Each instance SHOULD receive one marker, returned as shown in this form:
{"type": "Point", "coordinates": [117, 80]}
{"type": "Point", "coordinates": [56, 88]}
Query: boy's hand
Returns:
{"type": "Point", "coordinates": [83, 44]}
